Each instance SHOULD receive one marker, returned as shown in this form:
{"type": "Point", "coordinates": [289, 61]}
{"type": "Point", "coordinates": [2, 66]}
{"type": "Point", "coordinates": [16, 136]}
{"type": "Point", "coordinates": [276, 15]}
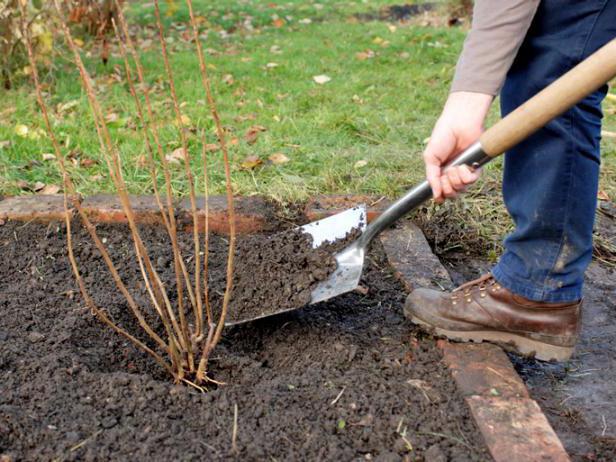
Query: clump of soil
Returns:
{"type": "Point", "coordinates": [274, 273]}
{"type": "Point", "coordinates": [349, 379]}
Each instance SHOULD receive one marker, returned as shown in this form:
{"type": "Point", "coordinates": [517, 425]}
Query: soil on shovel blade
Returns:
{"type": "Point", "coordinates": [349, 379]}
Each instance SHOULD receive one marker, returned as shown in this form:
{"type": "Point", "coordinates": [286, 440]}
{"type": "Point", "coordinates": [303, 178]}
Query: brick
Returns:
{"type": "Point", "coordinates": [482, 369]}
{"type": "Point", "coordinates": [106, 208]}
{"type": "Point", "coordinates": [414, 263]}
{"type": "Point", "coordinates": [325, 206]}
{"type": "Point", "coordinates": [515, 430]}
{"type": "Point", "coordinates": [43, 208]}
{"type": "Point", "coordinates": [252, 214]}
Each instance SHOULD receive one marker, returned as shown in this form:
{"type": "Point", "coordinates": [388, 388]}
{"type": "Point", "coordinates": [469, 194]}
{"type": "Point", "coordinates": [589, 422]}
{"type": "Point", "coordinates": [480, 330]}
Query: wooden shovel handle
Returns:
{"type": "Point", "coordinates": [575, 85]}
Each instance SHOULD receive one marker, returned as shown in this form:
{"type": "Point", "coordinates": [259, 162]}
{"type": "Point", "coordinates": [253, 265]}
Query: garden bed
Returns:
{"type": "Point", "coordinates": [349, 379]}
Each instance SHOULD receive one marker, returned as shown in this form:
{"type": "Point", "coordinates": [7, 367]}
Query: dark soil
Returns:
{"type": "Point", "coordinates": [345, 380]}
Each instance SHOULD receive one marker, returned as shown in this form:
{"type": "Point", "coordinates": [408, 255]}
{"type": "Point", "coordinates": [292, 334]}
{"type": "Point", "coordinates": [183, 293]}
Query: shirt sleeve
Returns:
{"type": "Point", "coordinates": [497, 32]}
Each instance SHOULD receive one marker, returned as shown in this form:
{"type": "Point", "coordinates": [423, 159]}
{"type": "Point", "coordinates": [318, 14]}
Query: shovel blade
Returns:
{"type": "Point", "coordinates": [350, 260]}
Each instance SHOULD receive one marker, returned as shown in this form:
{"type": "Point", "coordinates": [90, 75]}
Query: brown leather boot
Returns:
{"type": "Point", "coordinates": [483, 310]}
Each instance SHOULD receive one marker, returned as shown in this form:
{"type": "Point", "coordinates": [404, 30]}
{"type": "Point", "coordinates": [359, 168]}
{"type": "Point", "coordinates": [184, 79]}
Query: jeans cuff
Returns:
{"type": "Point", "coordinates": [525, 288]}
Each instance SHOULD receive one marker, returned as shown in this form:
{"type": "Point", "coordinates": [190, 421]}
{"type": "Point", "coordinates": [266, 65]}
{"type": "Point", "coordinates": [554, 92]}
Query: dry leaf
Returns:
{"type": "Point", "coordinates": [305, 21]}
{"type": "Point", "coordinates": [66, 107]}
{"type": "Point", "coordinates": [49, 189]}
{"type": "Point", "coordinates": [87, 162]}
{"type": "Point", "coordinates": [96, 178]}
{"type": "Point", "coordinates": [242, 118]}
{"type": "Point", "coordinates": [23, 184]}
{"type": "Point", "coordinates": [278, 22]}
{"type": "Point", "coordinates": [141, 161]}
{"type": "Point", "coordinates": [278, 158]}
{"type": "Point", "coordinates": [321, 79]}
{"type": "Point", "coordinates": [271, 65]}
{"type": "Point", "coordinates": [360, 163]}
{"type": "Point", "coordinates": [251, 162]}
{"type": "Point", "coordinates": [363, 55]}
{"type": "Point", "coordinates": [275, 49]}
{"type": "Point", "coordinates": [112, 117]}
{"type": "Point", "coordinates": [185, 120]}
{"type": "Point", "coordinates": [21, 130]}
{"type": "Point", "coordinates": [602, 196]}
{"type": "Point", "coordinates": [211, 147]}
{"type": "Point", "coordinates": [253, 133]}
{"type": "Point", "coordinates": [176, 156]}
{"type": "Point", "coordinates": [4, 144]}
{"type": "Point", "coordinates": [228, 79]}
{"type": "Point", "coordinates": [38, 186]}
{"type": "Point", "coordinates": [49, 156]}
{"type": "Point", "coordinates": [234, 141]}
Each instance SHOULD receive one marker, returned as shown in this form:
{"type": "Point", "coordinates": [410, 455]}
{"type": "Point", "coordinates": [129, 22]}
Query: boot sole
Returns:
{"type": "Point", "coordinates": [511, 342]}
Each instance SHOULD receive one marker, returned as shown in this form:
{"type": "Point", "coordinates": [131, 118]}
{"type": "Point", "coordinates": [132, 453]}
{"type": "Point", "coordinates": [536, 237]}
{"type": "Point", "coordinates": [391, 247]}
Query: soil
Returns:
{"type": "Point", "coordinates": [272, 272]}
{"type": "Point", "coordinates": [348, 379]}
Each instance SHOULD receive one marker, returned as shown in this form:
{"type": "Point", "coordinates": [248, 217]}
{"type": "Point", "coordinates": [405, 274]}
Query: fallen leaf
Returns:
{"type": "Point", "coordinates": [357, 99]}
{"type": "Point", "coordinates": [305, 21]}
{"type": "Point", "coordinates": [392, 28]}
{"type": "Point", "coordinates": [251, 162]}
{"type": "Point", "coordinates": [66, 107]}
{"type": "Point", "coordinates": [112, 117]}
{"type": "Point", "coordinates": [253, 133]}
{"type": "Point", "coordinates": [278, 22]}
{"type": "Point", "coordinates": [228, 79]}
{"type": "Point", "coordinates": [141, 161]}
{"type": "Point", "coordinates": [87, 162]}
{"type": "Point", "coordinates": [271, 65]}
{"type": "Point", "coordinates": [278, 158]}
{"type": "Point", "coordinates": [175, 156]}
{"type": "Point", "coordinates": [185, 120]}
{"type": "Point", "coordinates": [363, 55]}
{"type": "Point", "coordinates": [242, 118]}
{"type": "Point", "coordinates": [362, 290]}
{"type": "Point", "coordinates": [23, 184]}
{"type": "Point", "coordinates": [38, 186]}
{"type": "Point", "coordinates": [275, 49]}
{"type": "Point", "coordinates": [321, 79]}
{"type": "Point", "coordinates": [4, 144]}
{"type": "Point", "coordinates": [211, 147]}
{"type": "Point", "coordinates": [49, 189]}
{"type": "Point", "coordinates": [360, 163]}
{"type": "Point", "coordinates": [21, 130]}
{"type": "Point", "coordinates": [96, 178]}
{"type": "Point", "coordinates": [603, 196]}
{"type": "Point", "coordinates": [49, 156]}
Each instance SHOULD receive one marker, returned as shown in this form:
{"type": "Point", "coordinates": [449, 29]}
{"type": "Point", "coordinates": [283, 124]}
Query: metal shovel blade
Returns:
{"type": "Point", "coordinates": [350, 263]}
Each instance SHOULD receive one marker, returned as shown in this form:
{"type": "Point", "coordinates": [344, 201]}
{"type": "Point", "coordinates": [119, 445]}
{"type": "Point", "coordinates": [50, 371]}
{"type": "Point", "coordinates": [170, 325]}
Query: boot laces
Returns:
{"type": "Point", "coordinates": [481, 284]}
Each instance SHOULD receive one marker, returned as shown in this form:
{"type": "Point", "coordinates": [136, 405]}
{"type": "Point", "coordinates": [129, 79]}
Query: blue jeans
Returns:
{"type": "Point", "coordinates": [550, 180]}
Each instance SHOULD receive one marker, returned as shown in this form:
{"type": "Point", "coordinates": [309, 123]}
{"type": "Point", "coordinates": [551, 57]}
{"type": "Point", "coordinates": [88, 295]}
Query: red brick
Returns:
{"type": "Point", "coordinates": [324, 206]}
{"type": "Point", "coordinates": [106, 208]}
{"type": "Point", "coordinates": [482, 369]}
{"type": "Point", "coordinates": [43, 208]}
{"type": "Point", "coordinates": [515, 430]}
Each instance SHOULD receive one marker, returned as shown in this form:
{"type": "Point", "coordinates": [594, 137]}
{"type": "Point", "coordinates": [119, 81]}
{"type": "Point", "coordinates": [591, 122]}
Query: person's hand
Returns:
{"type": "Point", "coordinates": [459, 126]}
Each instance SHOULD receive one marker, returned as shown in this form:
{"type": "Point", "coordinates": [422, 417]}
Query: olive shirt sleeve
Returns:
{"type": "Point", "coordinates": [498, 29]}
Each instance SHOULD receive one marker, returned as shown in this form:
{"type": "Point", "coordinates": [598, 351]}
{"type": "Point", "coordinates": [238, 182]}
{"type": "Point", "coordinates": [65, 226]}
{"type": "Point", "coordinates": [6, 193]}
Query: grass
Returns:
{"type": "Point", "coordinates": [263, 57]}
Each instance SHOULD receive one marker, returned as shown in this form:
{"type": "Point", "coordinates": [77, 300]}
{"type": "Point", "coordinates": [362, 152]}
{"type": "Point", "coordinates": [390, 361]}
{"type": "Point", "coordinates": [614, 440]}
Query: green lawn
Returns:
{"type": "Point", "coordinates": [377, 110]}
